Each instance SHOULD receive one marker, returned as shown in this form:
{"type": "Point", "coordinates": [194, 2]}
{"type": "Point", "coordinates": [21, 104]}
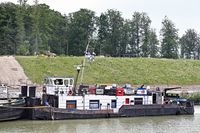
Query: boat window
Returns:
{"type": "Point", "coordinates": [50, 82]}
{"type": "Point", "coordinates": [71, 81]}
{"type": "Point", "coordinates": [66, 82]}
{"type": "Point", "coordinates": [154, 98]}
{"type": "Point", "coordinates": [46, 81]}
{"type": "Point", "coordinates": [138, 101]}
{"type": "Point", "coordinates": [58, 82]}
{"type": "Point", "coordinates": [113, 103]}
{"type": "Point", "coordinates": [71, 104]}
{"type": "Point", "coordinates": [94, 104]}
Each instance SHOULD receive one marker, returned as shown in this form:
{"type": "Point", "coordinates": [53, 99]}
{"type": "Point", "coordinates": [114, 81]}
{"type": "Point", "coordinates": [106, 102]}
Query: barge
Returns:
{"type": "Point", "coordinates": [61, 100]}
{"type": "Point", "coordinates": [10, 108]}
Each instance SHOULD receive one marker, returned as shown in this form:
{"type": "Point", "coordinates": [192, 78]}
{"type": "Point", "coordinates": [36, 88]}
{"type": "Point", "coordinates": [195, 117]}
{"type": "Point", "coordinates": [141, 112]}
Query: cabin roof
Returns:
{"type": "Point", "coordinates": [51, 77]}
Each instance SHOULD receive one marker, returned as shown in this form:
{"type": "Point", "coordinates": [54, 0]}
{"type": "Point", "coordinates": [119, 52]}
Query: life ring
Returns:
{"type": "Point", "coordinates": [69, 93]}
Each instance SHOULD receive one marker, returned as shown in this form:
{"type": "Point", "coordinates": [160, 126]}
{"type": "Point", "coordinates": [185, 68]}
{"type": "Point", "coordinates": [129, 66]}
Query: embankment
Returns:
{"type": "Point", "coordinates": [135, 71]}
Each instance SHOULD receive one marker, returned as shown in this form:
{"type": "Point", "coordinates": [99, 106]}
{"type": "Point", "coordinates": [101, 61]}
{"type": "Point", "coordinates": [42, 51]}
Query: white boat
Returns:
{"type": "Point", "coordinates": [63, 101]}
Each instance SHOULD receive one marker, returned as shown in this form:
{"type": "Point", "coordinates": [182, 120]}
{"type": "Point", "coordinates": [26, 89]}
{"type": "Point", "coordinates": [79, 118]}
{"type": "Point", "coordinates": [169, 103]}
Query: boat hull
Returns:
{"type": "Point", "coordinates": [155, 110]}
{"type": "Point", "coordinates": [12, 112]}
{"type": "Point", "coordinates": [50, 113]}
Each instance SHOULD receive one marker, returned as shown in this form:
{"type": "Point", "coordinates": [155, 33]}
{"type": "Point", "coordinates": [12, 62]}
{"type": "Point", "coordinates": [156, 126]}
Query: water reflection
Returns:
{"type": "Point", "coordinates": [164, 124]}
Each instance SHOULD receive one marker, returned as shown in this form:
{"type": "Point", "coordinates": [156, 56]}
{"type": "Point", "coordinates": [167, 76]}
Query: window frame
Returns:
{"type": "Point", "coordinates": [113, 103]}
{"type": "Point", "coordinates": [94, 104]}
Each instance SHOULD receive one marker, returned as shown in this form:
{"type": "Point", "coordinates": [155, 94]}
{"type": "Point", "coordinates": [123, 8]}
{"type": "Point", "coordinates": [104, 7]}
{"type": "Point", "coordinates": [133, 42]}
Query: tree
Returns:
{"type": "Point", "coordinates": [35, 31]}
{"type": "Point", "coordinates": [125, 35]}
{"type": "Point", "coordinates": [145, 29]}
{"type": "Point", "coordinates": [135, 33]}
{"type": "Point", "coordinates": [153, 44]}
{"type": "Point", "coordinates": [189, 44]}
{"type": "Point", "coordinates": [58, 40]}
{"type": "Point", "coordinates": [80, 30]}
{"type": "Point", "coordinates": [169, 42]}
{"type": "Point", "coordinates": [140, 28]}
{"type": "Point", "coordinates": [20, 37]}
{"type": "Point", "coordinates": [103, 27]}
{"type": "Point", "coordinates": [45, 27]}
{"type": "Point", "coordinates": [109, 33]}
{"type": "Point", "coordinates": [8, 28]}
{"type": "Point", "coordinates": [48, 30]}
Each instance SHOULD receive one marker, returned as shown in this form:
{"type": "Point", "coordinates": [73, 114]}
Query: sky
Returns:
{"type": "Point", "coordinates": [183, 13]}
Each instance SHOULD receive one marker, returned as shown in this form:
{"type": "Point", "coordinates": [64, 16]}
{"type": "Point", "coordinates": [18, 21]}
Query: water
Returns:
{"type": "Point", "coordinates": [163, 124]}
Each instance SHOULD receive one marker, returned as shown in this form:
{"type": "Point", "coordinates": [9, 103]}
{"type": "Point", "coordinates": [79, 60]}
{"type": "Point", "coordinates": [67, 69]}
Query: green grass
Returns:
{"type": "Point", "coordinates": [116, 70]}
{"type": "Point", "coordinates": [194, 97]}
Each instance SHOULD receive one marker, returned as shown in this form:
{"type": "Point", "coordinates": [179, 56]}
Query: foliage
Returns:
{"type": "Point", "coordinates": [109, 33]}
{"type": "Point", "coordinates": [139, 34]}
{"type": "Point", "coordinates": [31, 29]}
{"type": "Point", "coordinates": [35, 29]}
{"type": "Point", "coordinates": [190, 43]}
{"type": "Point", "coordinates": [20, 36]}
{"type": "Point", "coordinates": [169, 42]}
{"type": "Point", "coordinates": [153, 44]}
{"type": "Point", "coordinates": [8, 28]}
{"type": "Point", "coordinates": [80, 30]}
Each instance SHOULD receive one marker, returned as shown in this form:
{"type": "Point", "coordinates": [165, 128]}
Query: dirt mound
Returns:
{"type": "Point", "coordinates": [11, 73]}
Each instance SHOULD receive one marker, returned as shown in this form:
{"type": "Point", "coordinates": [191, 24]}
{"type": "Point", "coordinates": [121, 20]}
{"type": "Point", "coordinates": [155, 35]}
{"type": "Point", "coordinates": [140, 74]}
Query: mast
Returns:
{"type": "Point", "coordinates": [83, 63]}
{"type": "Point", "coordinates": [76, 79]}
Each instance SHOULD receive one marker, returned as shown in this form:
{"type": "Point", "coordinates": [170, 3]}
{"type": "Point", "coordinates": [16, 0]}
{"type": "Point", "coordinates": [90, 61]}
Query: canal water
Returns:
{"type": "Point", "coordinates": [163, 124]}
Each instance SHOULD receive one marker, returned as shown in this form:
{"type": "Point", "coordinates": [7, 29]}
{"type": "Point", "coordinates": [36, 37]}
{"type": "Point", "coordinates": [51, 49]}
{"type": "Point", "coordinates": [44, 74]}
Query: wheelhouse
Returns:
{"type": "Point", "coordinates": [58, 85]}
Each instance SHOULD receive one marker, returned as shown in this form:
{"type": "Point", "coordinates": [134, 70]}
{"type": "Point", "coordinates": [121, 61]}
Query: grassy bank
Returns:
{"type": "Point", "coordinates": [193, 97]}
{"type": "Point", "coordinates": [116, 70]}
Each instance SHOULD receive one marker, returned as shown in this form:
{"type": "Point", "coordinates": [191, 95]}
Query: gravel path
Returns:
{"type": "Point", "coordinates": [11, 73]}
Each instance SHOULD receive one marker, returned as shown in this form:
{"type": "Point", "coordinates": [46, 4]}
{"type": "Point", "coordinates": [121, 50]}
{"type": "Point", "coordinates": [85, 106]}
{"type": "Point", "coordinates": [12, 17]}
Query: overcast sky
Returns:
{"type": "Point", "coordinates": [184, 13]}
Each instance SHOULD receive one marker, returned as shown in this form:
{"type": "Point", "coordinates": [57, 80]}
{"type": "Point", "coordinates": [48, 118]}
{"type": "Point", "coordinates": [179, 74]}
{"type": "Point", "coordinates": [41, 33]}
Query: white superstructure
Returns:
{"type": "Point", "coordinates": [59, 94]}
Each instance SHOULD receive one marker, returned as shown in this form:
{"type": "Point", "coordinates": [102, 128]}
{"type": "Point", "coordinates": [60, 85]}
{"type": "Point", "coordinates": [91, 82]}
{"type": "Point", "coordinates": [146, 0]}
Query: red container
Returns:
{"type": "Point", "coordinates": [119, 92]}
{"type": "Point", "coordinates": [92, 90]}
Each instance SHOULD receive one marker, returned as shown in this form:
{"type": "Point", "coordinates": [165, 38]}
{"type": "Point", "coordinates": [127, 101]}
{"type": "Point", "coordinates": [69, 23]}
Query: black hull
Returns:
{"type": "Point", "coordinates": [155, 110]}
{"type": "Point", "coordinates": [11, 112]}
{"type": "Point", "coordinates": [50, 113]}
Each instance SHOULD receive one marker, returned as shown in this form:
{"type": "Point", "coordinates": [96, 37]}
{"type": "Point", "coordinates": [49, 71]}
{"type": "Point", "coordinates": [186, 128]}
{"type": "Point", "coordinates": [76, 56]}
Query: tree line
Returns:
{"type": "Point", "coordinates": [34, 29]}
